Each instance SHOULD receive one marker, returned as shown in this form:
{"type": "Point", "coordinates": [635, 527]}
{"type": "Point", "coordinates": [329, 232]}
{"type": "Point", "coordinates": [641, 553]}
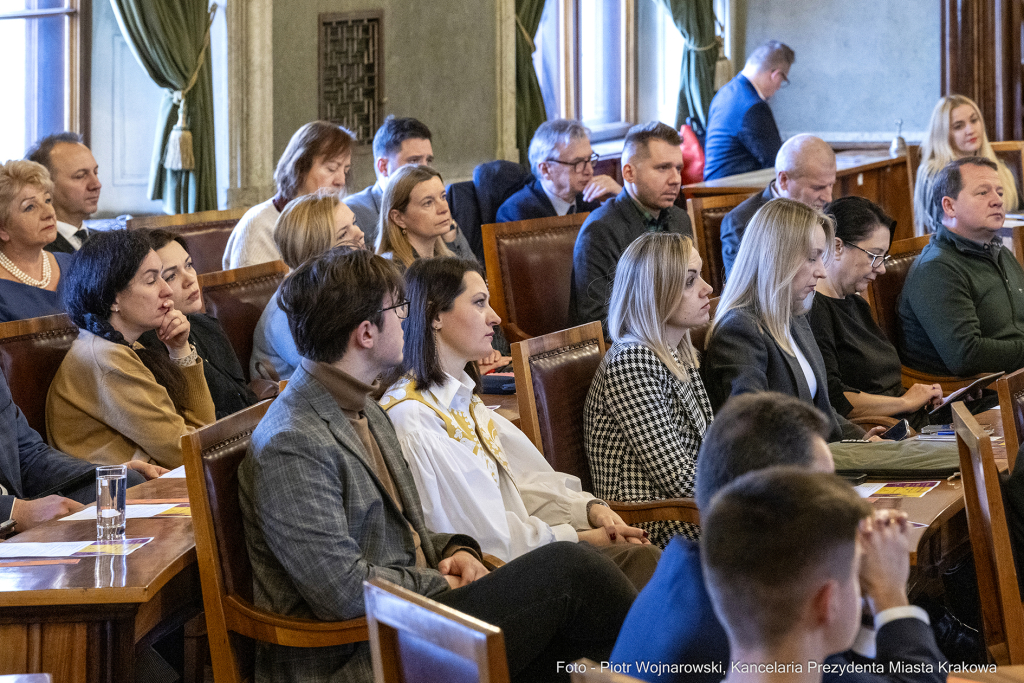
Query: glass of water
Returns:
{"type": "Point", "coordinates": [111, 482]}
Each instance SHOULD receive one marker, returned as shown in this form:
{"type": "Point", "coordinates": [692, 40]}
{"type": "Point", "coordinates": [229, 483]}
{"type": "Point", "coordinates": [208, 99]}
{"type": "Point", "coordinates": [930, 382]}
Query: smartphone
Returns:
{"type": "Point", "coordinates": [897, 432]}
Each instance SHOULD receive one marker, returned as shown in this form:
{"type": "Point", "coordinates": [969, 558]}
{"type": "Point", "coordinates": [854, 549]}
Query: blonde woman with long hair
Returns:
{"type": "Point", "coordinates": [761, 339]}
{"type": "Point", "coordinates": [308, 227]}
{"type": "Point", "coordinates": [647, 409]}
{"type": "Point", "coordinates": [956, 130]}
{"type": "Point", "coordinates": [414, 216]}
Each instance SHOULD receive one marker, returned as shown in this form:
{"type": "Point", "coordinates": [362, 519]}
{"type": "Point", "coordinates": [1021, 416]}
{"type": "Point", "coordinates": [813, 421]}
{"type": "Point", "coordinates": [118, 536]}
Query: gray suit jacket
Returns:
{"type": "Point", "coordinates": [366, 206]}
{"type": "Point", "coordinates": [742, 357]}
{"type": "Point", "coordinates": [735, 224]}
{"type": "Point", "coordinates": [318, 522]}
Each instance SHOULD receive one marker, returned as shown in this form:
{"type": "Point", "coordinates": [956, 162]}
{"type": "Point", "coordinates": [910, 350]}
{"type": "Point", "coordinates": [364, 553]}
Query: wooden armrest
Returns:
{"type": "Point", "coordinates": [949, 384]}
{"type": "Point", "coordinates": [252, 622]}
{"type": "Point", "coordinates": [264, 388]}
{"type": "Point", "coordinates": [666, 510]}
{"type": "Point", "coordinates": [492, 562]}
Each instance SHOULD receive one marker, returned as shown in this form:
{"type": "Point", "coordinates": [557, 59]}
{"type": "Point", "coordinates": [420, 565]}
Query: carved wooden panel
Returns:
{"type": "Point", "coordinates": [351, 73]}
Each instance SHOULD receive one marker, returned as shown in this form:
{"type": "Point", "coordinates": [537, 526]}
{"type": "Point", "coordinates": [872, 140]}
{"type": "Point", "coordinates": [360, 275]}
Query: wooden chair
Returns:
{"type": "Point", "coordinates": [416, 640]}
{"type": "Point", "coordinates": [237, 299]}
{"type": "Point", "coordinates": [553, 376]}
{"type": "Point", "coordinates": [706, 215]}
{"type": "Point", "coordinates": [1011, 408]}
{"type": "Point", "coordinates": [1011, 153]}
{"type": "Point", "coordinates": [30, 352]}
{"type": "Point", "coordinates": [211, 456]}
{"type": "Point", "coordinates": [206, 232]}
{"type": "Point", "coordinates": [529, 272]}
{"type": "Point", "coordinates": [884, 296]}
{"type": "Point", "coordinates": [587, 671]}
{"type": "Point", "coordinates": [1001, 609]}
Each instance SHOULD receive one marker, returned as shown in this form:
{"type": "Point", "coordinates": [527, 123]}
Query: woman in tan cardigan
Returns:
{"type": "Point", "coordinates": [112, 400]}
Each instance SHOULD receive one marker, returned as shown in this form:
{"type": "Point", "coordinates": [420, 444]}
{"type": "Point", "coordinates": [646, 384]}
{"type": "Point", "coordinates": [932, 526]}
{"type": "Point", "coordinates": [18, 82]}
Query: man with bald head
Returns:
{"type": "Point", "coordinates": [805, 170]}
{"type": "Point", "coordinates": [76, 186]}
{"type": "Point", "coordinates": [652, 165]}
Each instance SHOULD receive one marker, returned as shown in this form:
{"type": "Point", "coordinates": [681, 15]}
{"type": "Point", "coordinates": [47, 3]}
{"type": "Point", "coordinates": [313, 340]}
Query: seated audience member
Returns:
{"type": "Point", "coordinates": [39, 483]}
{"type": "Point", "coordinates": [319, 156]}
{"type": "Point", "coordinates": [647, 410]}
{"type": "Point", "coordinates": [562, 162]}
{"type": "Point", "coordinates": [30, 277]}
{"type": "Point", "coordinates": [398, 142]}
{"type": "Point", "coordinates": [863, 368]}
{"type": "Point", "coordinates": [328, 502]}
{"type": "Point", "coordinates": [414, 217]}
{"type": "Point", "coordinates": [76, 186]}
{"type": "Point", "coordinates": [760, 338]}
{"type": "Point", "coordinates": [223, 372]}
{"type": "Point", "coordinates": [113, 400]}
{"type": "Point", "coordinates": [956, 130]}
{"type": "Point", "coordinates": [752, 432]}
{"type": "Point", "coordinates": [651, 167]}
{"type": "Point", "coordinates": [962, 306]}
{"type": "Point", "coordinates": [476, 473]}
{"type": "Point", "coordinates": [805, 170]}
{"type": "Point", "coordinates": [742, 135]}
{"type": "Point", "coordinates": [781, 552]}
{"type": "Point", "coordinates": [308, 227]}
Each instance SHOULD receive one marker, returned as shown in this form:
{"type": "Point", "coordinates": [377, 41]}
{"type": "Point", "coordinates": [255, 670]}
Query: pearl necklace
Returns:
{"type": "Point", "coordinates": [17, 272]}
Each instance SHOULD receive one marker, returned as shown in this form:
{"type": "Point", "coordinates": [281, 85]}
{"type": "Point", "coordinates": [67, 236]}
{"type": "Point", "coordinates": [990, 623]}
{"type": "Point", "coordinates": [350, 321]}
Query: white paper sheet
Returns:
{"type": "Point", "coordinates": [131, 512]}
{"type": "Point", "coordinates": [866, 490]}
{"type": "Point", "coordinates": [55, 549]}
{"type": "Point", "coordinates": [176, 473]}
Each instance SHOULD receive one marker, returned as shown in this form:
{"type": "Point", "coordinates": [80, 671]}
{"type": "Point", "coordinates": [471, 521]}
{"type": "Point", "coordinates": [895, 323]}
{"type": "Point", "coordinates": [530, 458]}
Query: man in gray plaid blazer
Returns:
{"type": "Point", "coordinates": [329, 501]}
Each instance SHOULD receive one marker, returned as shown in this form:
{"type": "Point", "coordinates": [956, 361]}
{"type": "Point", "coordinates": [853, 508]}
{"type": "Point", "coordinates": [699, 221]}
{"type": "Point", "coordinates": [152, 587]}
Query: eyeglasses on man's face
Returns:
{"type": "Point", "coordinates": [578, 165]}
{"type": "Point", "coordinates": [401, 309]}
{"type": "Point", "coordinates": [876, 259]}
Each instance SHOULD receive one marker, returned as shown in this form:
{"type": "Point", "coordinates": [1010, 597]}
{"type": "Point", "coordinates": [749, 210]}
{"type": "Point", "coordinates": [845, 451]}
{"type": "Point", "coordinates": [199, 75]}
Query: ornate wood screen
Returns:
{"type": "Point", "coordinates": [351, 71]}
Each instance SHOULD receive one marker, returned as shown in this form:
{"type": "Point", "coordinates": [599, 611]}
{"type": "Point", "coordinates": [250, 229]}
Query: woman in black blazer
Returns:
{"type": "Point", "coordinates": [760, 339]}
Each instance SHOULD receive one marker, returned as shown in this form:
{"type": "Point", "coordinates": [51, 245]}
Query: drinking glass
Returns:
{"type": "Point", "coordinates": [111, 482]}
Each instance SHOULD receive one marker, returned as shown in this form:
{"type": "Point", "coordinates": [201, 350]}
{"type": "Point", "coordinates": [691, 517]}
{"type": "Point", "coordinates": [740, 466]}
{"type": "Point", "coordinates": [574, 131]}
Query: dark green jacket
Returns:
{"type": "Point", "coordinates": [962, 308]}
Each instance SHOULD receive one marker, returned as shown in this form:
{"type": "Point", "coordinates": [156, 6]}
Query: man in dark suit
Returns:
{"type": "Point", "coordinates": [672, 621]}
{"type": "Point", "coordinates": [76, 186]}
{"type": "Point", "coordinates": [742, 135]}
{"type": "Point", "coordinates": [328, 501]}
{"type": "Point", "coordinates": [652, 164]}
{"type": "Point", "coordinates": [562, 162]}
{"type": "Point", "coordinates": [805, 170]}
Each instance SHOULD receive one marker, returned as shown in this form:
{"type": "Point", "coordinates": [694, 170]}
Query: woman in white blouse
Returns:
{"type": "Point", "coordinates": [476, 472]}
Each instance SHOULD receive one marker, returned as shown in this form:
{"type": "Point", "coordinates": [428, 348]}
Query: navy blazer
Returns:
{"type": "Point", "coordinates": [742, 135]}
{"type": "Point", "coordinates": [672, 622]}
{"type": "Point", "coordinates": [532, 202]}
{"type": "Point", "coordinates": [735, 224]}
{"type": "Point", "coordinates": [742, 357]}
{"type": "Point", "coordinates": [607, 232]}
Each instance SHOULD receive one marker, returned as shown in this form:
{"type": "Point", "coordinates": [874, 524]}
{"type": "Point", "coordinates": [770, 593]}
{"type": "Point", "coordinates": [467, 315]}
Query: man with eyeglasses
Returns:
{"type": "Point", "coordinates": [962, 306]}
{"type": "Point", "coordinates": [805, 171]}
{"type": "Point", "coordinates": [742, 135]}
{"type": "Point", "coordinates": [562, 162]}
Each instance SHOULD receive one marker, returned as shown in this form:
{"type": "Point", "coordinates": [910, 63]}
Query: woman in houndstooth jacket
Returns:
{"type": "Point", "coordinates": [647, 410]}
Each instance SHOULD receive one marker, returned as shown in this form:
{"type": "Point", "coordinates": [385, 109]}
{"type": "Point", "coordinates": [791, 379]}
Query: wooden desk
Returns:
{"type": "Point", "coordinates": [82, 622]}
{"type": "Point", "coordinates": [508, 406]}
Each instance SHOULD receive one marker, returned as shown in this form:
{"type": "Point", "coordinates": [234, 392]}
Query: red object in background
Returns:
{"type": "Point", "coordinates": [693, 156]}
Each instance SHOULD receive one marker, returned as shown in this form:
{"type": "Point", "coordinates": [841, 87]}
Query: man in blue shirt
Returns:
{"type": "Point", "coordinates": [742, 135]}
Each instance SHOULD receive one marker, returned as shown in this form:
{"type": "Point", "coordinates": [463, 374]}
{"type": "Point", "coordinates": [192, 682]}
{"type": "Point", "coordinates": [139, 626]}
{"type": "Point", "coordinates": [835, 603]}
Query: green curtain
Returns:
{"type": "Point", "coordinates": [695, 19]}
{"type": "Point", "coordinates": [529, 101]}
{"type": "Point", "coordinates": [167, 38]}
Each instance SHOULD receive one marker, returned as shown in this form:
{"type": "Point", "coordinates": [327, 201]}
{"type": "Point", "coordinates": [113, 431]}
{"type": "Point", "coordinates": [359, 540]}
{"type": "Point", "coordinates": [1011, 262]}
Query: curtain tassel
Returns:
{"type": "Point", "coordinates": [179, 156]}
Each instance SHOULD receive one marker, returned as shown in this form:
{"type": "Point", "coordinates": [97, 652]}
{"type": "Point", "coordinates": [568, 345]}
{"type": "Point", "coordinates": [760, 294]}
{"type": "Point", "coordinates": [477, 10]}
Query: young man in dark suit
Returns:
{"type": "Point", "coordinates": [76, 186]}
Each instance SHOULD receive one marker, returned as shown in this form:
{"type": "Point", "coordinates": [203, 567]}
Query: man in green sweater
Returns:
{"type": "Point", "coordinates": [962, 307]}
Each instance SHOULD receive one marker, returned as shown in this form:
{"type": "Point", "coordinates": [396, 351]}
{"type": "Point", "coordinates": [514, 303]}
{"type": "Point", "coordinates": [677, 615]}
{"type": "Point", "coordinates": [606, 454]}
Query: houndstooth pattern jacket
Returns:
{"type": "Point", "coordinates": [643, 429]}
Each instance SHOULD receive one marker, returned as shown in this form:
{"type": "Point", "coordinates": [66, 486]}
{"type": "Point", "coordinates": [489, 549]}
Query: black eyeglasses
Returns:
{"type": "Point", "coordinates": [401, 309]}
{"type": "Point", "coordinates": [876, 259]}
{"type": "Point", "coordinates": [579, 164]}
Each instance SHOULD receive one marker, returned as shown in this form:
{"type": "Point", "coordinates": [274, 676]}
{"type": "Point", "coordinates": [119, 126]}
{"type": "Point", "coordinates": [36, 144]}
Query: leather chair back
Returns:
{"type": "Point", "coordinates": [31, 351]}
{"type": "Point", "coordinates": [887, 288]}
{"type": "Point", "coordinates": [553, 377]}
{"type": "Point", "coordinates": [237, 299]}
{"type": "Point", "coordinates": [706, 215]}
{"type": "Point", "coordinates": [205, 232]}
{"type": "Point", "coordinates": [529, 272]}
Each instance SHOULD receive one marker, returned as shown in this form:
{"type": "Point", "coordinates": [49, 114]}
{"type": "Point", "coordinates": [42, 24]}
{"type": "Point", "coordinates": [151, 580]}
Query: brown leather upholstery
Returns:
{"type": "Point", "coordinates": [30, 353]}
{"type": "Point", "coordinates": [206, 233]}
{"type": "Point", "coordinates": [887, 287]}
{"type": "Point", "coordinates": [529, 270]}
{"type": "Point", "coordinates": [706, 215]}
{"type": "Point", "coordinates": [237, 299]}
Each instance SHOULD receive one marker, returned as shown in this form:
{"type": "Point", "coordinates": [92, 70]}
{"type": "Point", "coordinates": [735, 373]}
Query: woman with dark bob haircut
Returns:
{"type": "Point", "coordinates": [221, 367]}
{"type": "Point", "coordinates": [113, 401]}
{"type": "Point", "coordinates": [475, 471]}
